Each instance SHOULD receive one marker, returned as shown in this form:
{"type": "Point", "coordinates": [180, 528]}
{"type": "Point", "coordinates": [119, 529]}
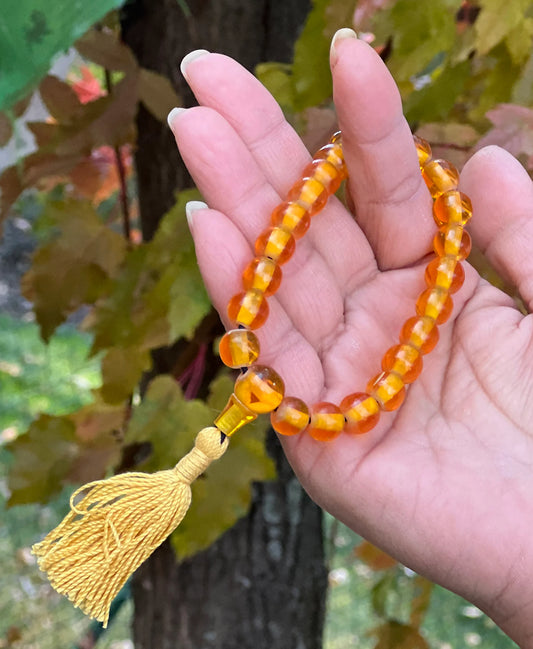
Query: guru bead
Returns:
{"type": "Point", "coordinates": [327, 421]}
{"type": "Point", "coordinates": [239, 348]}
{"type": "Point", "coordinates": [440, 176]}
{"type": "Point", "coordinates": [361, 412]}
{"type": "Point", "coordinates": [249, 309]}
{"type": "Point", "coordinates": [262, 274]}
{"type": "Point", "coordinates": [260, 389]}
{"type": "Point", "coordinates": [290, 417]}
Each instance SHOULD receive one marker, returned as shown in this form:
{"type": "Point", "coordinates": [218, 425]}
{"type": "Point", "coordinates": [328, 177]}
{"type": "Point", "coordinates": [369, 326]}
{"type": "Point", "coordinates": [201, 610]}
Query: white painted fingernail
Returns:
{"type": "Point", "coordinates": [189, 58]}
{"type": "Point", "coordinates": [173, 114]}
{"type": "Point", "coordinates": [190, 208]}
{"type": "Point", "coordinates": [340, 35]}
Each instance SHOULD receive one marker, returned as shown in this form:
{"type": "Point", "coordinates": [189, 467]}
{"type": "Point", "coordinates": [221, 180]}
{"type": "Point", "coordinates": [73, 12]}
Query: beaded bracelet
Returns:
{"type": "Point", "coordinates": [115, 524]}
{"type": "Point", "coordinates": [260, 389]}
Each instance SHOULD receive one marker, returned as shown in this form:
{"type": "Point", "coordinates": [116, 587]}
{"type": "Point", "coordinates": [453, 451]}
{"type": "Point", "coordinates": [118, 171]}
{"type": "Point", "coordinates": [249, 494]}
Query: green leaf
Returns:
{"type": "Point", "coordinates": [33, 33]}
{"type": "Point", "coordinates": [421, 600]}
{"type": "Point", "coordinates": [43, 457]}
{"type": "Point", "coordinates": [74, 267]}
{"type": "Point", "coordinates": [380, 592]}
{"type": "Point", "coordinates": [518, 40]}
{"type": "Point", "coordinates": [497, 20]}
{"type": "Point", "coordinates": [122, 369]}
{"type": "Point", "coordinates": [522, 92]}
{"type": "Point", "coordinates": [223, 494]}
{"type": "Point", "coordinates": [277, 79]}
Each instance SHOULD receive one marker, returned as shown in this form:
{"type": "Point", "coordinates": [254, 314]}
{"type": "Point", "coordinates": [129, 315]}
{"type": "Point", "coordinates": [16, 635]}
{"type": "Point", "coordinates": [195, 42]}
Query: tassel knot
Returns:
{"type": "Point", "coordinates": [115, 524]}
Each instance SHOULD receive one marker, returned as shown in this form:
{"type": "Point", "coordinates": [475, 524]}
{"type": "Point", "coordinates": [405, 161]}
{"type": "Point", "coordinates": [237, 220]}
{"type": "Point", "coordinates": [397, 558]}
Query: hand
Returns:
{"type": "Point", "coordinates": [445, 483]}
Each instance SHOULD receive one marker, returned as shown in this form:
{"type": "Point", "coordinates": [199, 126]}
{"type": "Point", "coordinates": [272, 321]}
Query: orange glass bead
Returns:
{"type": "Point", "coordinates": [454, 241]}
{"type": "Point", "coordinates": [336, 137]}
{"type": "Point", "coordinates": [310, 193]}
{"type": "Point", "coordinates": [405, 360]}
{"type": "Point", "coordinates": [276, 243]}
{"type": "Point", "coordinates": [421, 333]}
{"type": "Point", "coordinates": [361, 412]}
{"type": "Point", "coordinates": [260, 389]}
{"type": "Point", "coordinates": [388, 390]}
{"type": "Point", "coordinates": [446, 273]}
{"type": "Point", "coordinates": [327, 421]}
{"type": "Point", "coordinates": [326, 174]}
{"type": "Point", "coordinates": [249, 309]}
{"type": "Point", "coordinates": [333, 153]}
{"type": "Point", "coordinates": [435, 303]}
{"type": "Point", "coordinates": [234, 416]}
{"type": "Point", "coordinates": [239, 348]}
{"type": "Point", "coordinates": [292, 217]}
{"type": "Point", "coordinates": [452, 207]}
{"type": "Point", "coordinates": [440, 176]}
{"type": "Point", "coordinates": [423, 150]}
{"type": "Point", "coordinates": [262, 274]}
{"type": "Point", "coordinates": [290, 417]}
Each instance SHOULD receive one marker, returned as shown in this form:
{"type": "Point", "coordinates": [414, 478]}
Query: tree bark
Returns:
{"type": "Point", "coordinates": [263, 584]}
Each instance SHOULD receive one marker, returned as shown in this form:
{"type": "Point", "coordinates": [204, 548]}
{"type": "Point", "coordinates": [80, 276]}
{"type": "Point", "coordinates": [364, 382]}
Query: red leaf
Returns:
{"type": "Point", "coordinates": [87, 87]}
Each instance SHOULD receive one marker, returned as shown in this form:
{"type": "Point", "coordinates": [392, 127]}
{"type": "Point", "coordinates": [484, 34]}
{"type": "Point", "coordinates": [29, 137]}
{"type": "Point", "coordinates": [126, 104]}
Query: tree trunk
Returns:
{"type": "Point", "coordinates": [263, 584]}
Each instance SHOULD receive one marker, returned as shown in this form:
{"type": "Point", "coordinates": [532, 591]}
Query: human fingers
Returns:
{"type": "Point", "coordinates": [393, 206]}
{"type": "Point", "coordinates": [221, 83]}
{"type": "Point", "coordinates": [502, 197]}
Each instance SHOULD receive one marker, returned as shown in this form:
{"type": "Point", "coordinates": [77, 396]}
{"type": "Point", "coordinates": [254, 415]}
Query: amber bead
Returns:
{"type": "Point", "coordinates": [260, 389]}
{"type": "Point", "coordinates": [388, 390]}
{"type": "Point", "coordinates": [452, 207]}
{"type": "Point", "coordinates": [405, 360]}
{"type": "Point", "coordinates": [234, 416]}
{"type": "Point", "coordinates": [239, 348]}
{"type": "Point", "coordinates": [423, 150]}
{"type": "Point", "coordinates": [333, 153]}
{"type": "Point", "coordinates": [290, 417]}
{"type": "Point", "coordinates": [326, 174]}
{"type": "Point", "coordinates": [453, 240]}
{"type": "Point", "coordinates": [276, 243]}
{"type": "Point", "coordinates": [249, 309]}
{"type": "Point", "coordinates": [327, 421]}
{"type": "Point", "coordinates": [440, 176]}
{"type": "Point", "coordinates": [310, 193]}
{"type": "Point", "coordinates": [292, 217]}
{"type": "Point", "coordinates": [421, 333]}
{"type": "Point", "coordinates": [336, 137]}
{"type": "Point", "coordinates": [435, 303]}
{"type": "Point", "coordinates": [361, 412]}
{"type": "Point", "coordinates": [262, 274]}
{"type": "Point", "coordinates": [446, 273]}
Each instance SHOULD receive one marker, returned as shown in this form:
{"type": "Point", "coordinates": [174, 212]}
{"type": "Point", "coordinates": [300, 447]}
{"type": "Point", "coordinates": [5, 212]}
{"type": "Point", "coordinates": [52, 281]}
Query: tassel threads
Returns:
{"type": "Point", "coordinates": [117, 523]}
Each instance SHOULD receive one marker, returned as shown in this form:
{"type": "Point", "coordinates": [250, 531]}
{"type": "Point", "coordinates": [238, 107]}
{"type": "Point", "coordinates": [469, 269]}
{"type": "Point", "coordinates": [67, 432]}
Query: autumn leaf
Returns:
{"type": "Point", "coordinates": [105, 49]}
{"type": "Point", "coordinates": [157, 94]}
{"type": "Point", "coordinates": [60, 99]}
{"type": "Point", "coordinates": [512, 129]}
{"type": "Point", "coordinates": [373, 557]}
{"type": "Point", "coordinates": [6, 128]}
{"type": "Point", "coordinates": [395, 635]}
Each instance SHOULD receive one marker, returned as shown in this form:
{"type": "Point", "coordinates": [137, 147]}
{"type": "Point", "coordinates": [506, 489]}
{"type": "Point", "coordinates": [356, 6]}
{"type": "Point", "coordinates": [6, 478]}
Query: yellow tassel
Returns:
{"type": "Point", "coordinates": [115, 524]}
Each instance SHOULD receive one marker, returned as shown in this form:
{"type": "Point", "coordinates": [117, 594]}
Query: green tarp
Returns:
{"type": "Point", "coordinates": [32, 32]}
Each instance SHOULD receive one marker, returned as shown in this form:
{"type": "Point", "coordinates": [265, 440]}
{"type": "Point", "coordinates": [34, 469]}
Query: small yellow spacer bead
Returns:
{"type": "Point", "coordinates": [234, 416]}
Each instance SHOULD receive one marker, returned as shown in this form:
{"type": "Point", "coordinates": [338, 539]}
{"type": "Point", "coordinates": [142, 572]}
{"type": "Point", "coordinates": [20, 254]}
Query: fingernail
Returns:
{"type": "Point", "coordinates": [189, 58]}
{"type": "Point", "coordinates": [190, 208]}
{"type": "Point", "coordinates": [173, 114]}
{"type": "Point", "coordinates": [340, 35]}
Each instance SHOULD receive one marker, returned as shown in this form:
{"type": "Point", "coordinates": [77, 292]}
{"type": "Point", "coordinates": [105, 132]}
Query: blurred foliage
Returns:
{"type": "Point", "coordinates": [465, 73]}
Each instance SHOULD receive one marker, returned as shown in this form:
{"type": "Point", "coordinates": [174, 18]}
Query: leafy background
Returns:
{"type": "Point", "coordinates": [103, 299]}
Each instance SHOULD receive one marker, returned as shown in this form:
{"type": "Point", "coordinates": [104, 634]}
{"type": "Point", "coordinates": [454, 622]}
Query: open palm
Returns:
{"type": "Point", "coordinates": [444, 484]}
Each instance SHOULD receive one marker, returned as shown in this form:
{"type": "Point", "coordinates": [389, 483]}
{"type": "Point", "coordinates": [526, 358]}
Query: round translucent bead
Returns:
{"type": "Point", "coordinates": [249, 309]}
{"type": "Point", "coordinates": [452, 207]}
{"type": "Point", "coordinates": [336, 137]}
{"type": "Point", "coordinates": [446, 273]}
{"type": "Point", "coordinates": [291, 417]}
{"type": "Point", "coordinates": [262, 274]}
{"type": "Point", "coordinates": [292, 217]}
{"type": "Point", "coordinates": [361, 412]}
{"type": "Point", "coordinates": [453, 241]}
{"type": "Point", "coordinates": [239, 348]}
{"type": "Point", "coordinates": [423, 150]}
{"type": "Point", "coordinates": [440, 176]}
{"type": "Point", "coordinates": [388, 390]}
{"type": "Point", "coordinates": [421, 333]}
{"type": "Point", "coordinates": [326, 173]}
{"type": "Point", "coordinates": [435, 303]}
{"type": "Point", "coordinates": [276, 243]}
{"type": "Point", "coordinates": [327, 421]}
{"type": "Point", "coordinates": [405, 360]}
{"type": "Point", "coordinates": [260, 389]}
{"type": "Point", "coordinates": [310, 193]}
{"type": "Point", "coordinates": [333, 153]}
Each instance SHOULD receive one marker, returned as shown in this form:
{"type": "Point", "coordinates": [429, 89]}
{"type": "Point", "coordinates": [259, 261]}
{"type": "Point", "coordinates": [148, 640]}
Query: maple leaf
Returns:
{"type": "Point", "coordinates": [86, 86]}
